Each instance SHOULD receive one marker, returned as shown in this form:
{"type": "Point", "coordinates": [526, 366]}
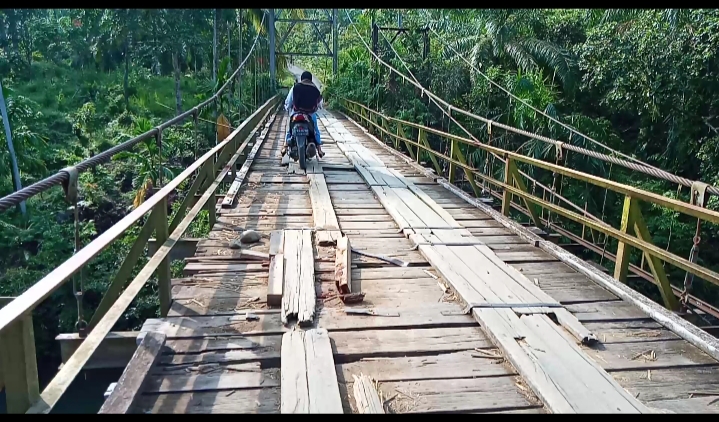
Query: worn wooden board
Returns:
{"type": "Point", "coordinates": [263, 400]}
{"type": "Point", "coordinates": [126, 395]}
{"type": "Point", "coordinates": [365, 394]}
{"type": "Point", "coordinates": [454, 365]}
{"type": "Point", "coordinates": [323, 212]}
{"type": "Point", "coordinates": [343, 265]}
{"type": "Point", "coordinates": [455, 395]}
{"type": "Point", "coordinates": [298, 292]}
{"type": "Point", "coordinates": [352, 345]}
{"type": "Point", "coordinates": [276, 280]}
{"type": "Point", "coordinates": [232, 377]}
{"type": "Point", "coordinates": [309, 382]}
{"type": "Point", "coordinates": [648, 355]}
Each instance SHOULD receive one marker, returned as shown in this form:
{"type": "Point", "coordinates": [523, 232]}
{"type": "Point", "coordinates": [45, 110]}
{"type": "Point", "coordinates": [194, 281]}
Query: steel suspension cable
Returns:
{"type": "Point", "coordinates": [63, 176]}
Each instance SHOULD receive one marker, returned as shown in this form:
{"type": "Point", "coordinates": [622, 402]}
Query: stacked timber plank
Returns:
{"type": "Point", "coordinates": [298, 292]}
{"type": "Point", "coordinates": [510, 308]}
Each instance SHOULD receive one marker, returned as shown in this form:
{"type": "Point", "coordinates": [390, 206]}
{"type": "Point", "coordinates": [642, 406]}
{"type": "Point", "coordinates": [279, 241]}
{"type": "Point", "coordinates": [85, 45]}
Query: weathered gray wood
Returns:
{"type": "Point", "coordinates": [309, 381]}
{"type": "Point", "coordinates": [321, 376]}
{"type": "Point", "coordinates": [263, 400]}
{"type": "Point", "coordinates": [366, 396]}
{"type": "Point", "coordinates": [275, 281]}
{"type": "Point", "coordinates": [455, 395]}
{"type": "Point", "coordinates": [298, 293]}
{"type": "Point", "coordinates": [463, 364]}
{"type": "Point", "coordinates": [133, 380]}
{"type": "Point", "coordinates": [343, 265]}
{"type": "Point", "coordinates": [323, 212]}
{"type": "Point", "coordinates": [277, 242]}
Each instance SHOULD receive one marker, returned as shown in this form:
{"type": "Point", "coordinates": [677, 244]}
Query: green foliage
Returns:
{"type": "Point", "coordinates": [641, 81]}
{"type": "Point", "coordinates": [78, 82]}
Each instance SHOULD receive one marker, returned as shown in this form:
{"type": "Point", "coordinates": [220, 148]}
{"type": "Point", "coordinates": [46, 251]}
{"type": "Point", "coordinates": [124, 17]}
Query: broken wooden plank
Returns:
{"type": "Point", "coordinates": [366, 396]}
{"type": "Point", "coordinates": [129, 388]}
{"type": "Point", "coordinates": [276, 279]}
{"type": "Point", "coordinates": [309, 380]}
{"type": "Point", "coordinates": [343, 265]}
{"type": "Point", "coordinates": [327, 237]}
{"type": "Point", "coordinates": [298, 293]}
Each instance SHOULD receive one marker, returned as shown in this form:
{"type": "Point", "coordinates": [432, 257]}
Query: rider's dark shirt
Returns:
{"type": "Point", "coordinates": [306, 97]}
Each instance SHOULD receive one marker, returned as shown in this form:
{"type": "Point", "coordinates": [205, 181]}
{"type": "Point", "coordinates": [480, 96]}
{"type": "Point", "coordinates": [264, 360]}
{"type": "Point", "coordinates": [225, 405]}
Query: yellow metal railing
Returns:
{"type": "Point", "coordinates": [633, 232]}
{"type": "Point", "coordinates": [18, 370]}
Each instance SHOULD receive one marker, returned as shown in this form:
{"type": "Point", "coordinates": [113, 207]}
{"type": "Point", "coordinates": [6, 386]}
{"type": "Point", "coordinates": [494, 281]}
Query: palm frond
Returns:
{"type": "Point", "coordinates": [555, 58]}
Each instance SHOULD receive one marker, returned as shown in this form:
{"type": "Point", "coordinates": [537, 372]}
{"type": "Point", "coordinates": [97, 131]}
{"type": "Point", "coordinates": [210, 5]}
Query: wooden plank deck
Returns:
{"type": "Point", "coordinates": [224, 345]}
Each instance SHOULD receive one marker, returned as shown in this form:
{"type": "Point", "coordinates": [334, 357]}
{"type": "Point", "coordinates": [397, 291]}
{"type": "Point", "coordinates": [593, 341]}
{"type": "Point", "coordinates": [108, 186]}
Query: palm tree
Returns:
{"type": "Point", "coordinates": [505, 35]}
{"type": "Point", "coordinates": [254, 16]}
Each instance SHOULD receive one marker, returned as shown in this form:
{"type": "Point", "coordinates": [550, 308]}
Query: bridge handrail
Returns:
{"type": "Point", "coordinates": [207, 180]}
{"type": "Point", "coordinates": [63, 176]}
{"type": "Point", "coordinates": [369, 117]}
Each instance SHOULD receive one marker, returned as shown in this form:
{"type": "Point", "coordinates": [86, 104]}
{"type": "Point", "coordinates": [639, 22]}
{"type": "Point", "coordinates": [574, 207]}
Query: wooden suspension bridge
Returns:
{"type": "Point", "coordinates": [376, 286]}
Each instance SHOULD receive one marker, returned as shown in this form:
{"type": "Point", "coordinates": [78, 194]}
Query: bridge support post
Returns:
{"type": "Point", "coordinates": [516, 177]}
{"type": "Point", "coordinates": [18, 364]}
{"type": "Point", "coordinates": [459, 156]}
{"type": "Point", "coordinates": [633, 222]}
{"type": "Point", "coordinates": [401, 134]}
{"type": "Point", "coordinates": [385, 126]}
{"type": "Point", "coordinates": [212, 202]}
{"type": "Point", "coordinates": [163, 271]}
{"type": "Point", "coordinates": [273, 70]}
{"type": "Point", "coordinates": [422, 136]}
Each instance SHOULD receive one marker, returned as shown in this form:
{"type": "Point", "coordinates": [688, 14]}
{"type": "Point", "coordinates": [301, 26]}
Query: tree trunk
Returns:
{"type": "Point", "coordinates": [11, 149]}
{"type": "Point", "coordinates": [214, 46]}
{"type": "Point", "coordinates": [126, 77]}
{"type": "Point", "coordinates": [176, 67]}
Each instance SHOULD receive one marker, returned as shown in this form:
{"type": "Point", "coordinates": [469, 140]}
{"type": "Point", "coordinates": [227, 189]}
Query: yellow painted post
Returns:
{"type": "Point", "coordinates": [621, 265]}
{"type": "Point", "coordinates": [519, 182]}
{"type": "Point", "coordinates": [470, 176]}
{"type": "Point", "coordinates": [163, 271]}
{"type": "Point", "coordinates": [385, 126]}
{"type": "Point", "coordinates": [508, 179]}
{"type": "Point", "coordinates": [19, 365]}
{"type": "Point", "coordinates": [453, 155]}
{"type": "Point", "coordinates": [422, 135]}
{"type": "Point", "coordinates": [401, 134]}
{"type": "Point", "coordinates": [633, 222]}
{"type": "Point", "coordinates": [212, 202]}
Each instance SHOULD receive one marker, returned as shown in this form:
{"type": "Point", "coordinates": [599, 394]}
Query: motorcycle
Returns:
{"type": "Point", "coordinates": [302, 142]}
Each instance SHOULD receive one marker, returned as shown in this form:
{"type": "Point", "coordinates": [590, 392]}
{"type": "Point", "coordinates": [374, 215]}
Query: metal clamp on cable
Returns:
{"type": "Point", "coordinates": [70, 186]}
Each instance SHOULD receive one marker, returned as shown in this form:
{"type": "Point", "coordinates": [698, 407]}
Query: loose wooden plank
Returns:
{"type": "Point", "coordinates": [125, 396]}
{"type": "Point", "coordinates": [343, 265]}
{"type": "Point", "coordinates": [277, 242]}
{"type": "Point", "coordinates": [366, 396]}
{"type": "Point", "coordinates": [295, 392]}
{"type": "Point", "coordinates": [275, 282]}
{"type": "Point", "coordinates": [298, 293]}
{"type": "Point", "coordinates": [585, 385]}
{"type": "Point", "coordinates": [324, 215]}
{"type": "Point", "coordinates": [324, 391]}
{"type": "Point", "coordinates": [309, 381]}
{"type": "Point", "coordinates": [648, 355]}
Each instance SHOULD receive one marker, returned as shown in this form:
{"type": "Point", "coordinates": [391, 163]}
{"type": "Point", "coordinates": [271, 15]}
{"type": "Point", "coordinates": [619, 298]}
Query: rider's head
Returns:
{"type": "Point", "coordinates": [306, 76]}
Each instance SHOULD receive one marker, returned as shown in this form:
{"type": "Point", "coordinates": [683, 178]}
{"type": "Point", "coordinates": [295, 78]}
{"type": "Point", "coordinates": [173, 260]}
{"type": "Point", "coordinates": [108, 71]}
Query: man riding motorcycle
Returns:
{"type": "Point", "coordinates": [304, 97]}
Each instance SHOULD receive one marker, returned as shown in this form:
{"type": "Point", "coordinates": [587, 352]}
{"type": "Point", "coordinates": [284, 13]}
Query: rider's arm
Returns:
{"type": "Point", "coordinates": [289, 100]}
